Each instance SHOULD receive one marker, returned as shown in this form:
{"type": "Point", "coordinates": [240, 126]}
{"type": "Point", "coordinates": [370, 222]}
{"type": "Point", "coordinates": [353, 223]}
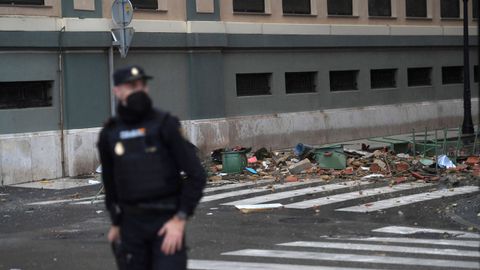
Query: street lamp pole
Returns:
{"type": "Point", "coordinates": [467, 126]}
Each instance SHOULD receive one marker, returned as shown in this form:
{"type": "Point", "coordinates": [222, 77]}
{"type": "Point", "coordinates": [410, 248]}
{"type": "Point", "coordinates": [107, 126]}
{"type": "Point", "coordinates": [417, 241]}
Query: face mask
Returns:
{"type": "Point", "coordinates": [137, 105]}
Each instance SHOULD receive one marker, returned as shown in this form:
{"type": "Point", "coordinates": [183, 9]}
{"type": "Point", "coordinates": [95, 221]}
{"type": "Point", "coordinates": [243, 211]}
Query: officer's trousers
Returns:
{"type": "Point", "coordinates": [140, 246]}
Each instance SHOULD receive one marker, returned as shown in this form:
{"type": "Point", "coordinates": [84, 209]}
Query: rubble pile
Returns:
{"type": "Point", "coordinates": [305, 162]}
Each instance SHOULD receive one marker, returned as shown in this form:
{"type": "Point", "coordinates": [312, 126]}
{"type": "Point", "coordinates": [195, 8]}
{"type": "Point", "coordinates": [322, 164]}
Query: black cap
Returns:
{"type": "Point", "coordinates": [129, 74]}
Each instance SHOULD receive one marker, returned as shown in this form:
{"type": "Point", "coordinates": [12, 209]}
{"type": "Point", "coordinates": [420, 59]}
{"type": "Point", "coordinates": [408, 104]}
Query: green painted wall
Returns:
{"type": "Point", "coordinates": [87, 89]}
{"type": "Point", "coordinates": [38, 66]}
{"type": "Point", "coordinates": [69, 11]}
{"type": "Point", "coordinates": [170, 78]}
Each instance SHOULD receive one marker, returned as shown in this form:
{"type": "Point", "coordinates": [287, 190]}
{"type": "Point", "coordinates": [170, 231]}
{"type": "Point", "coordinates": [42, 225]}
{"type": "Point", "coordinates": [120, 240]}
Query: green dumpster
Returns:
{"type": "Point", "coordinates": [234, 161]}
{"type": "Point", "coordinates": [331, 157]}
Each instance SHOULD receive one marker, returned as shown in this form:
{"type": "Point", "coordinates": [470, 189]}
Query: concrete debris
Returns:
{"type": "Point", "coordinates": [300, 166]}
{"type": "Point", "coordinates": [364, 165]}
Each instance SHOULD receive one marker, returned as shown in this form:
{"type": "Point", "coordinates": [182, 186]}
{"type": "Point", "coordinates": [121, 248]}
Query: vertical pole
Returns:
{"type": "Point", "coordinates": [111, 69]}
{"type": "Point", "coordinates": [467, 126]}
{"type": "Point", "coordinates": [425, 143]}
{"type": "Point", "coordinates": [445, 142]}
{"type": "Point", "coordinates": [436, 152]}
{"type": "Point", "coordinates": [413, 137]}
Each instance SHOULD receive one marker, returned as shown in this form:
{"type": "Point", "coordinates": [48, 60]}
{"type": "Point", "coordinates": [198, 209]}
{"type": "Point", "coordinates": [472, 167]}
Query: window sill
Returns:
{"type": "Point", "coordinates": [384, 89]}
{"type": "Point", "coordinates": [24, 6]}
{"type": "Point", "coordinates": [150, 10]}
{"type": "Point", "coordinates": [345, 91]}
{"type": "Point", "coordinates": [251, 13]}
{"type": "Point", "coordinates": [255, 96]}
{"type": "Point", "coordinates": [451, 19]}
{"type": "Point", "coordinates": [344, 16]}
{"type": "Point", "coordinates": [420, 86]}
{"type": "Point", "coordinates": [299, 15]}
{"type": "Point", "coordinates": [419, 18]}
{"type": "Point", "coordinates": [303, 93]}
{"type": "Point", "coordinates": [453, 84]}
{"type": "Point", "coordinates": [382, 17]}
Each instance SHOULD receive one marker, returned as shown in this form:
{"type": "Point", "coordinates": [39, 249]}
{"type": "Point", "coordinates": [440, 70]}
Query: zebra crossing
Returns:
{"type": "Point", "coordinates": [313, 193]}
{"type": "Point", "coordinates": [354, 253]}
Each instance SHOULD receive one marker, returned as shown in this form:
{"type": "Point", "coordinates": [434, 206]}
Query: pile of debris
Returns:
{"type": "Point", "coordinates": [337, 162]}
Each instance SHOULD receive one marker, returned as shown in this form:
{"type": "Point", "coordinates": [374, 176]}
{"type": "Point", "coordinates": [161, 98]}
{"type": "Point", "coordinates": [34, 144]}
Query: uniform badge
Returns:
{"type": "Point", "coordinates": [135, 71]}
{"type": "Point", "coordinates": [119, 149]}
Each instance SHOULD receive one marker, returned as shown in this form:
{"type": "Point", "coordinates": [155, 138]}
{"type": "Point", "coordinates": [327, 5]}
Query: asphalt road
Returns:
{"type": "Point", "coordinates": [310, 232]}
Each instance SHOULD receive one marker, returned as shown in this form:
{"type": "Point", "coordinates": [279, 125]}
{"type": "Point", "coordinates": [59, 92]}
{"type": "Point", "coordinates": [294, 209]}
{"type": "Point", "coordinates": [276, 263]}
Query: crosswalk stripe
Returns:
{"type": "Point", "coordinates": [65, 200]}
{"type": "Point", "coordinates": [385, 248]}
{"type": "Point", "coordinates": [404, 200]}
{"type": "Point", "coordinates": [354, 195]}
{"type": "Point", "coordinates": [404, 240]}
{"type": "Point", "coordinates": [342, 257]}
{"type": "Point", "coordinates": [296, 193]}
{"type": "Point", "coordinates": [232, 186]}
{"type": "Point", "coordinates": [227, 265]}
{"type": "Point", "coordinates": [255, 190]}
{"type": "Point", "coordinates": [412, 230]}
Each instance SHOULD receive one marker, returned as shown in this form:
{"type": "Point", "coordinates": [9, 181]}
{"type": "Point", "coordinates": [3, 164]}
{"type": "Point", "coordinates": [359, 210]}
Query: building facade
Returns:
{"type": "Point", "coordinates": [237, 72]}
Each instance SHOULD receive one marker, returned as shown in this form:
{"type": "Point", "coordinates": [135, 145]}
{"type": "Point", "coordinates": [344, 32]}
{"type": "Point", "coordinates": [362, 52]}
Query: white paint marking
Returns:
{"type": "Point", "coordinates": [413, 230]}
{"type": "Point", "coordinates": [88, 202]}
{"type": "Point", "coordinates": [232, 186]}
{"type": "Point", "coordinates": [385, 248]}
{"type": "Point", "coordinates": [342, 257]}
{"type": "Point", "coordinates": [66, 200]}
{"type": "Point", "coordinates": [255, 190]}
{"type": "Point", "coordinates": [354, 195]}
{"type": "Point", "coordinates": [440, 242]}
{"type": "Point", "coordinates": [226, 265]}
{"type": "Point", "coordinates": [296, 193]}
{"type": "Point", "coordinates": [405, 200]}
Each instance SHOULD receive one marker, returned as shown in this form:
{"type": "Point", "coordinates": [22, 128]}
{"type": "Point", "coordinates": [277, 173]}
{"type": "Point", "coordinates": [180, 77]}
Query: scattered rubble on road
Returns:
{"type": "Point", "coordinates": [367, 164]}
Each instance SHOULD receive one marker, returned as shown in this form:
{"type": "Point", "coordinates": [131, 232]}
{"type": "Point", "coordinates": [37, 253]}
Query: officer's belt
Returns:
{"type": "Point", "coordinates": [165, 206]}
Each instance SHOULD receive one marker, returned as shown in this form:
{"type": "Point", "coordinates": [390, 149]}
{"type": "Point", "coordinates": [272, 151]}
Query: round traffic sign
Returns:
{"type": "Point", "coordinates": [122, 12]}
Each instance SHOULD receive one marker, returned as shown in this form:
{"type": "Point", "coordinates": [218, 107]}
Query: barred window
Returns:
{"type": "Point", "coordinates": [416, 8]}
{"type": "Point", "coordinates": [452, 75]}
{"type": "Point", "coordinates": [380, 8]}
{"type": "Point", "coordinates": [475, 74]}
{"type": "Point", "coordinates": [296, 7]}
{"type": "Point", "coordinates": [340, 7]}
{"type": "Point", "coordinates": [23, 2]}
{"type": "Point", "coordinates": [145, 4]}
{"type": "Point", "coordinates": [300, 82]}
{"type": "Point", "coordinates": [255, 6]}
{"type": "Point", "coordinates": [253, 84]}
{"type": "Point", "coordinates": [344, 80]}
{"type": "Point", "coordinates": [419, 76]}
{"type": "Point", "coordinates": [16, 95]}
{"type": "Point", "coordinates": [475, 8]}
{"type": "Point", "coordinates": [450, 8]}
{"type": "Point", "coordinates": [383, 78]}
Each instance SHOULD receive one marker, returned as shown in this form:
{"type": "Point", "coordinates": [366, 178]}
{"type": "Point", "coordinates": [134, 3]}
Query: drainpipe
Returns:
{"type": "Point", "coordinates": [61, 96]}
{"type": "Point", "coordinates": [111, 69]}
{"type": "Point", "coordinates": [467, 126]}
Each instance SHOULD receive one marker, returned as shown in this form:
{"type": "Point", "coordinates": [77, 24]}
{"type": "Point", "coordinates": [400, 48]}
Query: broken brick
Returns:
{"type": "Point", "coordinates": [472, 160]}
{"type": "Point", "coordinates": [291, 178]}
{"type": "Point", "coordinates": [418, 175]}
{"type": "Point", "coordinates": [348, 171]}
{"type": "Point", "coordinates": [402, 166]}
{"type": "Point", "coordinates": [375, 168]}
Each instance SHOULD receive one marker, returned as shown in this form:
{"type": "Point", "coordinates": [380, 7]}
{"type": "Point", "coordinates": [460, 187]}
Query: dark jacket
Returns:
{"type": "Point", "coordinates": [159, 178]}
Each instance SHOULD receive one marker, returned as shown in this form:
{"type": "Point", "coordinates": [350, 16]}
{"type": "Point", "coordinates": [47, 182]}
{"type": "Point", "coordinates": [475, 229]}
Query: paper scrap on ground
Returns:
{"type": "Point", "coordinates": [258, 207]}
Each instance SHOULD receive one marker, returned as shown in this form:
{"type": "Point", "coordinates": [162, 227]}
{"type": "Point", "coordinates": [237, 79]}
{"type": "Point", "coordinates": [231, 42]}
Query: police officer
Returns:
{"type": "Point", "coordinates": [142, 152]}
